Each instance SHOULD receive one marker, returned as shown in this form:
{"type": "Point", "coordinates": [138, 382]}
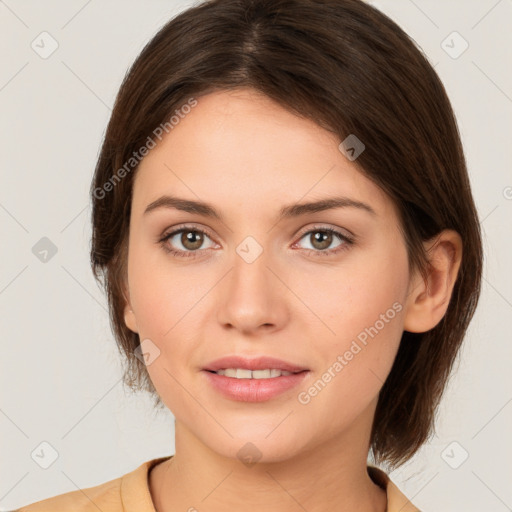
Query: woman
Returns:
{"type": "Point", "coordinates": [284, 225]}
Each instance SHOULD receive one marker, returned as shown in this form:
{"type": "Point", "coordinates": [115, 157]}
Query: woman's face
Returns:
{"type": "Point", "coordinates": [257, 284]}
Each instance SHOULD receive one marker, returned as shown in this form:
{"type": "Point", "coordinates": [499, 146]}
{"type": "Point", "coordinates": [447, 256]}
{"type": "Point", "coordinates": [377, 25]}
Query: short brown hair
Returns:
{"type": "Point", "coordinates": [352, 70]}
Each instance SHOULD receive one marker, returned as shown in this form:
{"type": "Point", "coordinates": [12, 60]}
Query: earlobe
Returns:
{"type": "Point", "coordinates": [129, 319]}
{"type": "Point", "coordinates": [428, 301]}
{"type": "Point", "coordinates": [129, 315]}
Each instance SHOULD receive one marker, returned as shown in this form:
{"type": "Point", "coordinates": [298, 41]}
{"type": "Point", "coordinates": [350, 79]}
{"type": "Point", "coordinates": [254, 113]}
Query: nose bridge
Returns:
{"type": "Point", "coordinates": [253, 295]}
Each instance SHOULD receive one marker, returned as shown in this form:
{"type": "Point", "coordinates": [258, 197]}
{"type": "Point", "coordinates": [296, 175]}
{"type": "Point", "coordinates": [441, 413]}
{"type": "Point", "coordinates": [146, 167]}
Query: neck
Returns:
{"type": "Point", "coordinates": [328, 476]}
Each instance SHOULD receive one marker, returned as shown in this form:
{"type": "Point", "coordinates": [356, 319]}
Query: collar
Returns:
{"type": "Point", "coordinates": [136, 496]}
{"type": "Point", "coordinates": [397, 501]}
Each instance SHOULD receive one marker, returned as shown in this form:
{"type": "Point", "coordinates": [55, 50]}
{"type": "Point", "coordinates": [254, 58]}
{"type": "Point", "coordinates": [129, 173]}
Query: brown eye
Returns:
{"type": "Point", "coordinates": [186, 242]}
{"type": "Point", "coordinates": [321, 239]}
{"type": "Point", "coordinates": [192, 240]}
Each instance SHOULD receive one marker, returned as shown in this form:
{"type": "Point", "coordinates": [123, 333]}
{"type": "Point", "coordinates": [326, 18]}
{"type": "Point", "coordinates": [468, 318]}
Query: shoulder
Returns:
{"type": "Point", "coordinates": [105, 497]}
{"type": "Point", "coordinates": [129, 492]}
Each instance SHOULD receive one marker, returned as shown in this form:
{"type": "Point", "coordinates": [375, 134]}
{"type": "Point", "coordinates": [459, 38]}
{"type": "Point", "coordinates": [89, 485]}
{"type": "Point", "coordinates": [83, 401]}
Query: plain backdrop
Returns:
{"type": "Point", "coordinates": [61, 391]}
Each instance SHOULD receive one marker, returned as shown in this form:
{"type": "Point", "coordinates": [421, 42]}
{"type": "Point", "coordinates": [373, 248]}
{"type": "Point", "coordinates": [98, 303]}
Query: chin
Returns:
{"type": "Point", "coordinates": [255, 448]}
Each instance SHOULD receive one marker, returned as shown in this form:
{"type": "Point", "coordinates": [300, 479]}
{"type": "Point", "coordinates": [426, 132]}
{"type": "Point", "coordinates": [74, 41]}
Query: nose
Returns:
{"type": "Point", "coordinates": [253, 297]}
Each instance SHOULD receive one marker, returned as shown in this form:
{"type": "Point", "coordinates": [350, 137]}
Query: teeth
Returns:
{"type": "Point", "coordinates": [241, 373]}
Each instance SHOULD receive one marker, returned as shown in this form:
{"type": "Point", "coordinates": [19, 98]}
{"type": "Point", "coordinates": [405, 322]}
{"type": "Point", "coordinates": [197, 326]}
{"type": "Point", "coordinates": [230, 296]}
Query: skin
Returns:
{"type": "Point", "coordinates": [248, 157]}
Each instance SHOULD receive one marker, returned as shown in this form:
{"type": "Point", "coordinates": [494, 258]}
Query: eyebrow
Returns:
{"type": "Point", "coordinates": [290, 211]}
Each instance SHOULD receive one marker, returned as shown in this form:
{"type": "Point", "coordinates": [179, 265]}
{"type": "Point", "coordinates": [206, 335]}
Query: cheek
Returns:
{"type": "Point", "coordinates": [354, 364]}
{"type": "Point", "coordinates": [169, 301]}
{"type": "Point", "coordinates": [362, 306]}
{"type": "Point", "coordinates": [163, 299]}
{"type": "Point", "coordinates": [162, 292]}
{"type": "Point", "coordinates": [369, 288]}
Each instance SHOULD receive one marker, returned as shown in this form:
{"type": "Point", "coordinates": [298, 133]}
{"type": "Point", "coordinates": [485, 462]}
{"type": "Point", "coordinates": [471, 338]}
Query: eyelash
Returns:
{"type": "Point", "coordinates": [347, 241]}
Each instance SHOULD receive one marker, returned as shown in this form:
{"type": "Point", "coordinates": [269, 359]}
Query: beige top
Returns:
{"type": "Point", "coordinates": [130, 493]}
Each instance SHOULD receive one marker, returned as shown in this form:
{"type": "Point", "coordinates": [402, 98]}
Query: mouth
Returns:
{"type": "Point", "coordinates": [253, 388]}
{"type": "Point", "coordinates": [253, 380]}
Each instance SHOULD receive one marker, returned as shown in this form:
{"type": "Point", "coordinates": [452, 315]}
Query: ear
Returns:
{"type": "Point", "coordinates": [428, 301]}
{"type": "Point", "coordinates": [129, 315]}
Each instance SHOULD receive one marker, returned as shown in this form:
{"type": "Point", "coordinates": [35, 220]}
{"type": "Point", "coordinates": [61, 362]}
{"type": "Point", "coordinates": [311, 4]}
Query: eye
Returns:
{"type": "Point", "coordinates": [187, 242]}
{"type": "Point", "coordinates": [190, 239]}
{"type": "Point", "coordinates": [321, 238]}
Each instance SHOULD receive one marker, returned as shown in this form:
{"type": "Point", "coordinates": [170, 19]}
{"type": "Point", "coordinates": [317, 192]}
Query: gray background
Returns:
{"type": "Point", "coordinates": [60, 372]}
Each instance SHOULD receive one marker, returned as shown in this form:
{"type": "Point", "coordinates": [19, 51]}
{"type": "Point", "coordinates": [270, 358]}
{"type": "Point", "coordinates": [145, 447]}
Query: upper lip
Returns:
{"type": "Point", "coordinates": [257, 363]}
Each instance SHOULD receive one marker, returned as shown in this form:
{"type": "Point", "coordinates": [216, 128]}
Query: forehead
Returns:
{"type": "Point", "coordinates": [241, 149]}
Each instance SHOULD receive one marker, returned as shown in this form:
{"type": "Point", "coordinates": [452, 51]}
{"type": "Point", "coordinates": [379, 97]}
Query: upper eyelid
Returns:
{"type": "Point", "coordinates": [320, 227]}
{"type": "Point", "coordinates": [178, 229]}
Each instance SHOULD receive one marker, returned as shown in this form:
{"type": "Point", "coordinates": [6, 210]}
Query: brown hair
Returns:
{"type": "Point", "coordinates": [352, 70]}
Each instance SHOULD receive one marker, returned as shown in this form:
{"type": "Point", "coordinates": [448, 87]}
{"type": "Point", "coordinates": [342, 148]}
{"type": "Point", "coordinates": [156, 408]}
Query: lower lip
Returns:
{"type": "Point", "coordinates": [254, 390]}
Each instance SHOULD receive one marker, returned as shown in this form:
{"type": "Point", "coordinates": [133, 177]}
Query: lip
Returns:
{"type": "Point", "coordinates": [258, 363]}
{"type": "Point", "coordinates": [253, 390]}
